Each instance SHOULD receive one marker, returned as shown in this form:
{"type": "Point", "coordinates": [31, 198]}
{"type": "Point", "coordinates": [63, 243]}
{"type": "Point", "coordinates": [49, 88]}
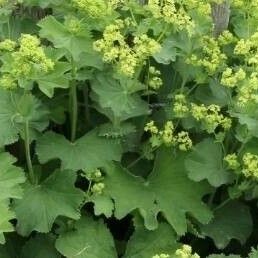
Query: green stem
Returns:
{"type": "Point", "coordinates": [86, 103]}
{"type": "Point", "coordinates": [27, 152]}
{"type": "Point", "coordinates": [222, 204]}
{"type": "Point", "coordinates": [73, 103]}
{"type": "Point", "coordinates": [132, 15]}
{"type": "Point", "coordinates": [163, 33]}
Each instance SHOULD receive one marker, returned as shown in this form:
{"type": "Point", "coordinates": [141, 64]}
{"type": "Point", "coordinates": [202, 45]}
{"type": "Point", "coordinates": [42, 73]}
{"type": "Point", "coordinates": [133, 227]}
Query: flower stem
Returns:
{"type": "Point", "coordinates": [73, 103]}
{"type": "Point", "coordinates": [27, 152]}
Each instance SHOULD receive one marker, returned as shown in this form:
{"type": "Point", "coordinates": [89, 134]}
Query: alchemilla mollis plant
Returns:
{"type": "Point", "coordinates": [128, 128]}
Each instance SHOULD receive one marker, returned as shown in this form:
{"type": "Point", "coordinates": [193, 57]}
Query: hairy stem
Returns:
{"type": "Point", "coordinates": [27, 152]}
{"type": "Point", "coordinates": [73, 103]}
{"type": "Point", "coordinates": [86, 102]}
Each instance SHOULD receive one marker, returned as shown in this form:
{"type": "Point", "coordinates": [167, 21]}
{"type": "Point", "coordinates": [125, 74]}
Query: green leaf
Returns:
{"type": "Point", "coordinates": [15, 110]}
{"type": "Point", "coordinates": [214, 93]}
{"type": "Point", "coordinates": [6, 216]}
{"type": "Point", "coordinates": [206, 162]}
{"type": "Point", "coordinates": [144, 243]}
{"type": "Point", "coordinates": [89, 239]}
{"type": "Point", "coordinates": [168, 52]}
{"type": "Point", "coordinates": [41, 246]}
{"type": "Point", "coordinates": [223, 256]}
{"type": "Point", "coordinates": [41, 204]}
{"type": "Point", "coordinates": [53, 79]}
{"type": "Point", "coordinates": [231, 221]}
{"type": "Point", "coordinates": [61, 37]}
{"type": "Point", "coordinates": [10, 177]}
{"type": "Point", "coordinates": [167, 190]}
{"type": "Point", "coordinates": [89, 152]}
{"type": "Point", "coordinates": [119, 97]}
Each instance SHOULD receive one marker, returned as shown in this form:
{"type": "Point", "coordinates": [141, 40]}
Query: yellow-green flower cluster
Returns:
{"type": "Point", "coordinates": [203, 7]}
{"type": "Point", "coordinates": [226, 38]}
{"type": "Point", "coordinates": [94, 9]}
{"type": "Point", "coordinates": [7, 82]}
{"type": "Point", "coordinates": [30, 57]}
{"type": "Point", "coordinates": [211, 59]}
{"type": "Point", "coordinates": [168, 136]}
{"type": "Point", "coordinates": [250, 165]}
{"type": "Point", "coordinates": [98, 188]}
{"type": "Point", "coordinates": [248, 93]}
{"type": "Point", "coordinates": [184, 142]}
{"type": "Point", "coordinates": [161, 256]}
{"type": "Point", "coordinates": [186, 252]}
{"type": "Point", "coordinates": [96, 178]}
{"type": "Point", "coordinates": [180, 107]}
{"type": "Point", "coordinates": [154, 80]}
{"type": "Point", "coordinates": [248, 48]}
{"type": "Point", "coordinates": [249, 7]}
{"type": "Point", "coordinates": [97, 8]}
{"type": "Point", "coordinates": [115, 49]}
{"type": "Point", "coordinates": [232, 161]}
{"type": "Point", "coordinates": [73, 25]}
{"type": "Point", "coordinates": [167, 11]}
{"type": "Point", "coordinates": [210, 116]}
{"type": "Point", "coordinates": [7, 45]}
{"type": "Point", "coordinates": [231, 79]}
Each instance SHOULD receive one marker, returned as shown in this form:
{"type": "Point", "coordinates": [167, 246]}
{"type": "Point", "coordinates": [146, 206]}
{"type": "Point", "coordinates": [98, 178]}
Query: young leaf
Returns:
{"type": "Point", "coordinates": [167, 190]}
{"type": "Point", "coordinates": [89, 239]}
{"type": "Point", "coordinates": [41, 204]}
{"type": "Point", "coordinates": [40, 246]}
{"type": "Point", "coordinates": [231, 221]}
{"type": "Point", "coordinates": [15, 110]}
{"type": "Point", "coordinates": [206, 162]}
{"type": "Point", "coordinates": [144, 243]}
{"type": "Point", "coordinates": [62, 37]}
{"type": "Point", "coordinates": [88, 152]}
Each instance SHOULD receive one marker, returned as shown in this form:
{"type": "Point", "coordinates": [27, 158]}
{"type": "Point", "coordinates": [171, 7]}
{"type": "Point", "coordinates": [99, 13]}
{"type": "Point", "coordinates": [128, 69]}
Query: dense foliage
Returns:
{"type": "Point", "coordinates": [128, 128]}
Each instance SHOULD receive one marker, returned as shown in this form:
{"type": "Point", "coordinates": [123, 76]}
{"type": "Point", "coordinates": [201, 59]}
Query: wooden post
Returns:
{"type": "Point", "coordinates": [220, 16]}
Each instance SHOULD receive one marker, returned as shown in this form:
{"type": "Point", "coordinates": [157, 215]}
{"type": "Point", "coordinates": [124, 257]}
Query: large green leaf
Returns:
{"type": "Point", "coordinates": [89, 239]}
{"type": "Point", "coordinates": [10, 179]}
{"type": "Point", "coordinates": [231, 221]}
{"type": "Point", "coordinates": [223, 256]}
{"type": "Point", "coordinates": [42, 204]}
{"type": "Point", "coordinates": [167, 190]}
{"type": "Point", "coordinates": [6, 216]}
{"type": "Point", "coordinates": [206, 162]}
{"type": "Point", "coordinates": [41, 246]}
{"type": "Point", "coordinates": [61, 37]}
{"type": "Point", "coordinates": [15, 110]}
{"type": "Point", "coordinates": [144, 243]}
{"type": "Point", "coordinates": [88, 152]}
{"type": "Point", "coordinates": [119, 96]}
